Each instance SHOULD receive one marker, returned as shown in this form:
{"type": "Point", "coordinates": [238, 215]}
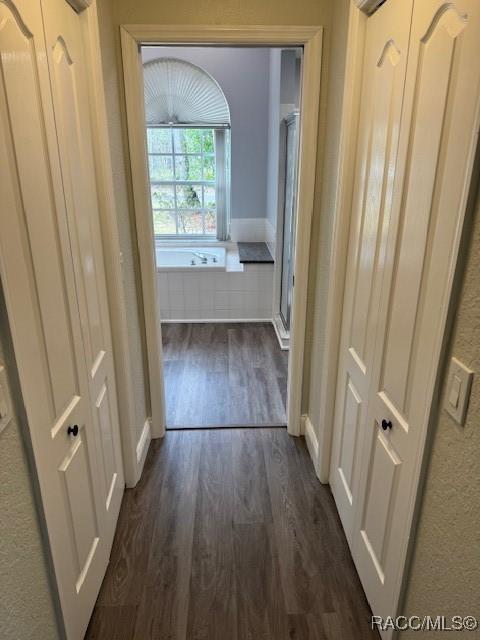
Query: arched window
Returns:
{"type": "Point", "coordinates": [188, 138]}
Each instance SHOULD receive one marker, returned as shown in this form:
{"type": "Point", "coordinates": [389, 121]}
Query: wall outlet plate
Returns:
{"type": "Point", "coordinates": [5, 407]}
{"type": "Point", "coordinates": [459, 385]}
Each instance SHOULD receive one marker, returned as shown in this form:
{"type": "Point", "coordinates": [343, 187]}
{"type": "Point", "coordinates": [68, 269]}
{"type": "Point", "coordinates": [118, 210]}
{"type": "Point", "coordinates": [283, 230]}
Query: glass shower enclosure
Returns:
{"type": "Point", "coordinates": [292, 123]}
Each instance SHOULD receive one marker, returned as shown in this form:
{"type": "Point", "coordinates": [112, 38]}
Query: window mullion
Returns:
{"type": "Point", "coordinates": [174, 164]}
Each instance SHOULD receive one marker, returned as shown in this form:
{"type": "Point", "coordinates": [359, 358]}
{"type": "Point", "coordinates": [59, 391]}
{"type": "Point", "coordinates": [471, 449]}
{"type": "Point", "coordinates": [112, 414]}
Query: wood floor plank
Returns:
{"type": "Point", "coordinates": [223, 374]}
{"type": "Point", "coordinates": [261, 607]}
{"type": "Point", "coordinates": [133, 539]}
{"type": "Point", "coordinates": [230, 536]}
{"type": "Point", "coordinates": [163, 609]}
{"type": "Point", "coordinates": [112, 623]}
{"type": "Point", "coordinates": [306, 627]}
{"type": "Point", "coordinates": [212, 611]}
{"type": "Point", "coordinates": [251, 494]}
{"type": "Point", "coordinates": [305, 579]}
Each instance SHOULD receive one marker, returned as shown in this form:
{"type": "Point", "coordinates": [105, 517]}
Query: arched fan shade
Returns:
{"type": "Point", "coordinates": [178, 92]}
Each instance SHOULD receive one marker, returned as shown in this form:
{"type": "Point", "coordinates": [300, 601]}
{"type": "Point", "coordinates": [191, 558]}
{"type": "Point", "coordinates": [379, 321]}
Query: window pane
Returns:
{"type": "Point", "coordinates": [161, 168]}
{"type": "Point", "coordinates": [162, 197]}
{"type": "Point", "coordinates": [188, 167]}
{"type": "Point", "coordinates": [209, 168]}
{"type": "Point", "coordinates": [189, 196]}
{"type": "Point", "coordinates": [208, 144]}
{"type": "Point", "coordinates": [210, 200]}
{"type": "Point", "coordinates": [187, 140]}
{"type": "Point", "coordinates": [190, 222]}
{"type": "Point", "coordinates": [159, 140]}
{"type": "Point", "coordinates": [164, 222]}
{"type": "Point", "coordinates": [210, 223]}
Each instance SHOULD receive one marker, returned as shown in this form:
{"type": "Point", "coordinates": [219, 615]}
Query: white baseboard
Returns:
{"type": "Point", "coordinates": [283, 337]}
{"type": "Point", "coordinates": [311, 440]}
{"type": "Point", "coordinates": [142, 445]}
{"type": "Point", "coordinates": [248, 230]}
{"type": "Point", "coordinates": [208, 320]}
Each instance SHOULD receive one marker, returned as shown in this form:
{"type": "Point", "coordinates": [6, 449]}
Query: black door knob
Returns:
{"type": "Point", "coordinates": [73, 431]}
{"type": "Point", "coordinates": [386, 424]}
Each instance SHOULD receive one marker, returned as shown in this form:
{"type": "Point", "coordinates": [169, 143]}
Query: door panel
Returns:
{"type": "Point", "coordinates": [436, 149]}
{"type": "Point", "coordinates": [80, 505]}
{"type": "Point", "coordinates": [379, 497]}
{"type": "Point", "coordinates": [351, 411]}
{"type": "Point", "coordinates": [38, 278]}
{"type": "Point", "coordinates": [104, 416]}
{"type": "Point", "coordinates": [434, 78]}
{"type": "Point", "coordinates": [384, 76]}
{"type": "Point", "coordinates": [66, 58]}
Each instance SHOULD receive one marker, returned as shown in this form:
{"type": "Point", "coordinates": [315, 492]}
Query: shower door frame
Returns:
{"type": "Point", "coordinates": [310, 39]}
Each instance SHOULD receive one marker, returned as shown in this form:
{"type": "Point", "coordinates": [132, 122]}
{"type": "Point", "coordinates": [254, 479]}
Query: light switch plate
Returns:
{"type": "Point", "coordinates": [5, 408]}
{"type": "Point", "coordinates": [458, 390]}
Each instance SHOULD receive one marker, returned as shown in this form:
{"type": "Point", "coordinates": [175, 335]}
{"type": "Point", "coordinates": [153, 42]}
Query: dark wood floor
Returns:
{"type": "Point", "coordinates": [230, 536]}
{"type": "Point", "coordinates": [223, 375]}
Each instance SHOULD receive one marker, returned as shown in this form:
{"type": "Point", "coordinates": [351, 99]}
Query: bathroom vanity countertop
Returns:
{"type": "Point", "coordinates": [254, 253]}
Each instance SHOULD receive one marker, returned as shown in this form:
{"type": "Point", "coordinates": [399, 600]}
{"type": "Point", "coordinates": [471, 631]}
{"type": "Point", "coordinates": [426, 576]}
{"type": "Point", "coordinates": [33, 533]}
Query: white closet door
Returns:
{"type": "Point", "coordinates": [437, 144]}
{"type": "Point", "coordinates": [68, 73]}
{"type": "Point", "coordinates": [381, 102]}
{"type": "Point", "coordinates": [38, 278]}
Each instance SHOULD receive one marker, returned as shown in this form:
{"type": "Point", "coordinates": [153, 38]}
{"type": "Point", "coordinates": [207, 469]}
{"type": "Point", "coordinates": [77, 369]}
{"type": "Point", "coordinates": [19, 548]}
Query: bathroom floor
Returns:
{"type": "Point", "coordinates": [223, 374]}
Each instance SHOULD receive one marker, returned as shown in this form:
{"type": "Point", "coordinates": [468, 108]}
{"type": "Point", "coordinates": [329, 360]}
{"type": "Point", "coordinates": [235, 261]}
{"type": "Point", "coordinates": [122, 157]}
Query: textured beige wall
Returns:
{"type": "Point", "coordinates": [313, 12]}
{"type": "Point", "coordinates": [26, 609]}
{"type": "Point", "coordinates": [323, 223]}
{"type": "Point", "coordinates": [445, 571]}
{"type": "Point", "coordinates": [126, 227]}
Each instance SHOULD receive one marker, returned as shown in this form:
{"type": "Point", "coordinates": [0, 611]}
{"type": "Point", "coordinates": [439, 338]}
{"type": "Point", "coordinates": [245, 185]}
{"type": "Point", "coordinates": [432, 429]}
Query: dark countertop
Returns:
{"type": "Point", "coordinates": [254, 252]}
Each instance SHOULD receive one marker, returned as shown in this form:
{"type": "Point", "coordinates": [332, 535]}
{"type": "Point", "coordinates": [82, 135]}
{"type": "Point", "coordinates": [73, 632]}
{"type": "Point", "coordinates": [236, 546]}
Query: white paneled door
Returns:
{"type": "Point", "coordinates": [382, 94]}
{"type": "Point", "coordinates": [405, 304]}
{"type": "Point", "coordinates": [53, 278]}
{"type": "Point", "coordinates": [68, 74]}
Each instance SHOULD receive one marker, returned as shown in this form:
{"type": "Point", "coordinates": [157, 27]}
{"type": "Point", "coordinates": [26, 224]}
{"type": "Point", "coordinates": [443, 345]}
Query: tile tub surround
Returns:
{"type": "Point", "coordinates": [213, 295]}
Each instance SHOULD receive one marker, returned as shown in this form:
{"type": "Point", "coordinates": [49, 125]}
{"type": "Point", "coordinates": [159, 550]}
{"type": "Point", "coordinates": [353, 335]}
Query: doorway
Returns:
{"type": "Point", "coordinates": [222, 125]}
{"type": "Point", "coordinates": [160, 211]}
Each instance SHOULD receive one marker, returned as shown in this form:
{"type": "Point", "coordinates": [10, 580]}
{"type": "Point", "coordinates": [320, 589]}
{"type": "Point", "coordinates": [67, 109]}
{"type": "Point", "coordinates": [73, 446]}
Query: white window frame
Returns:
{"type": "Point", "coordinates": [221, 184]}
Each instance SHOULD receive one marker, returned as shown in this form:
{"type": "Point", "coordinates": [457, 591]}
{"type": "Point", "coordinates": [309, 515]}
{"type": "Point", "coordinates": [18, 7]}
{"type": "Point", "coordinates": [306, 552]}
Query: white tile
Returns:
{"type": "Point", "coordinates": [176, 300]}
{"type": "Point", "coordinates": [192, 299]}
{"type": "Point", "coordinates": [175, 281]}
{"type": "Point", "coordinates": [191, 281]}
{"type": "Point", "coordinates": [162, 294]}
{"type": "Point", "coordinates": [221, 299]}
{"type": "Point", "coordinates": [206, 282]}
{"type": "Point", "coordinates": [220, 281]}
{"type": "Point", "coordinates": [207, 300]}
{"type": "Point", "coordinates": [235, 281]}
{"type": "Point", "coordinates": [235, 300]}
{"type": "Point", "coordinates": [249, 283]}
{"type": "Point", "coordinates": [162, 280]}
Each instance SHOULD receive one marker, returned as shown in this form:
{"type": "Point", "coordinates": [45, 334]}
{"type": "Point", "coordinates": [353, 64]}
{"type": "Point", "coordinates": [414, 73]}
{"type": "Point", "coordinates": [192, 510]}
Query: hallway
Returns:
{"type": "Point", "coordinates": [230, 536]}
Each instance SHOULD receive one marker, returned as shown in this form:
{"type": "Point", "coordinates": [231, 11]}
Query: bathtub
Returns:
{"type": "Point", "coordinates": [190, 258]}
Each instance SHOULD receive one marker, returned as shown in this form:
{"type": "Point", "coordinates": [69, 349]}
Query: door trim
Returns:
{"type": "Point", "coordinates": [111, 247]}
{"type": "Point", "coordinates": [357, 23]}
{"type": "Point", "coordinates": [310, 38]}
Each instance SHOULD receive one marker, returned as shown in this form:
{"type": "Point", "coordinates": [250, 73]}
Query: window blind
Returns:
{"type": "Point", "coordinates": [178, 92]}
